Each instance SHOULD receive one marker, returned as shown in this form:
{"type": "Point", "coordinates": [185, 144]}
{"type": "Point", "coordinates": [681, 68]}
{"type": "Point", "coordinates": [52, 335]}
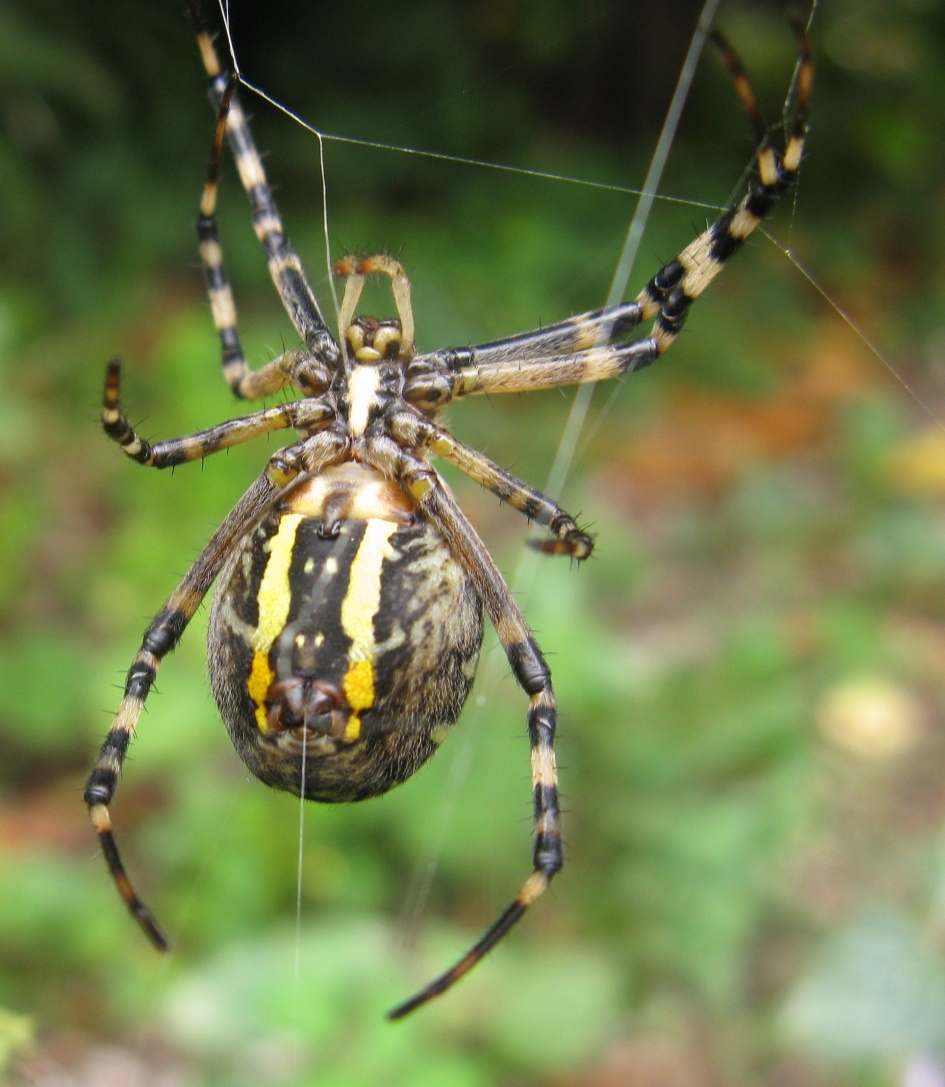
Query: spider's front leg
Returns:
{"type": "Point", "coordinates": [324, 355]}
{"type": "Point", "coordinates": [587, 348]}
{"type": "Point", "coordinates": [533, 675]}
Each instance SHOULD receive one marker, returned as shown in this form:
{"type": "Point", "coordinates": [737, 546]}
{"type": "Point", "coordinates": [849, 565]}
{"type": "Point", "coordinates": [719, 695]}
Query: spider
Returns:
{"type": "Point", "coordinates": [348, 615]}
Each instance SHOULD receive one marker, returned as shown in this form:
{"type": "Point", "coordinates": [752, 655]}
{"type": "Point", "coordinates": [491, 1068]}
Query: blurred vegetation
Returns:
{"type": "Point", "coordinates": [749, 669]}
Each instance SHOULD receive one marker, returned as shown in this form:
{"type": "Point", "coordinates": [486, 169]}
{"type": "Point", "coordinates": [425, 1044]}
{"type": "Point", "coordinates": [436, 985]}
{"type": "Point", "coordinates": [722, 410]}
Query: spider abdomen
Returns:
{"type": "Point", "coordinates": [343, 626]}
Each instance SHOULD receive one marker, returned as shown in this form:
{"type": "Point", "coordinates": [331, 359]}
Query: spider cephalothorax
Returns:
{"type": "Point", "coordinates": [347, 620]}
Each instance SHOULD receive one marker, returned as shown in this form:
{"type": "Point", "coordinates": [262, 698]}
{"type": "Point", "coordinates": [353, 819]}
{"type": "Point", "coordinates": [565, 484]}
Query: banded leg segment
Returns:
{"type": "Point", "coordinates": [161, 636]}
{"type": "Point", "coordinates": [591, 329]}
{"type": "Point", "coordinates": [533, 675]}
{"type": "Point", "coordinates": [528, 375]}
{"type": "Point", "coordinates": [308, 415]}
{"type": "Point", "coordinates": [418, 432]}
{"type": "Point", "coordinates": [562, 339]}
{"type": "Point", "coordinates": [570, 351]}
{"type": "Point", "coordinates": [670, 293]}
{"type": "Point", "coordinates": [284, 264]}
{"type": "Point", "coordinates": [581, 350]}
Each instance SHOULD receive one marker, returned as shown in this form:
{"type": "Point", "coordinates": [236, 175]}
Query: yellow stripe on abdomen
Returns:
{"type": "Point", "coordinates": [274, 600]}
{"type": "Point", "coordinates": [358, 609]}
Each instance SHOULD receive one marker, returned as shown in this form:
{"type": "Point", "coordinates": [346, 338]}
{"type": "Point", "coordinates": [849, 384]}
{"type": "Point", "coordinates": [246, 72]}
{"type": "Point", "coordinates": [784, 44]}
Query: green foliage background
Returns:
{"type": "Point", "coordinates": [749, 669]}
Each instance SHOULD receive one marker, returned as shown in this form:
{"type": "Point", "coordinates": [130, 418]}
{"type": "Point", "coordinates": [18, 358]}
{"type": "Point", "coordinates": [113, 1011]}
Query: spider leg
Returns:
{"type": "Point", "coordinates": [324, 356]}
{"type": "Point", "coordinates": [417, 432]}
{"type": "Point", "coordinates": [430, 388]}
{"type": "Point", "coordinates": [533, 675]}
{"type": "Point", "coordinates": [309, 415]}
{"type": "Point", "coordinates": [591, 329]}
{"type": "Point", "coordinates": [577, 350]}
{"type": "Point", "coordinates": [674, 288]}
{"type": "Point", "coordinates": [163, 634]}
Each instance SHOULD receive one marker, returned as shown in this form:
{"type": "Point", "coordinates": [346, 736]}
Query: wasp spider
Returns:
{"type": "Point", "coordinates": [347, 620]}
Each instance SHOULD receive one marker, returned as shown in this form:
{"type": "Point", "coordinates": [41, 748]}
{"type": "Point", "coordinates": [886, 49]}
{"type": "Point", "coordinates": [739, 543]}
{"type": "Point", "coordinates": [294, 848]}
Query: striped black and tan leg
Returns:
{"type": "Point", "coordinates": [533, 675]}
{"type": "Point", "coordinates": [538, 349]}
{"type": "Point", "coordinates": [584, 330]}
{"type": "Point", "coordinates": [579, 350]}
{"type": "Point", "coordinates": [415, 431]}
{"type": "Point", "coordinates": [308, 415]}
{"type": "Point", "coordinates": [163, 634]}
{"type": "Point", "coordinates": [285, 267]}
{"type": "Point", "coordinates": [435, 388]}
{"type": "Point", "coordinates": [671, 292]}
